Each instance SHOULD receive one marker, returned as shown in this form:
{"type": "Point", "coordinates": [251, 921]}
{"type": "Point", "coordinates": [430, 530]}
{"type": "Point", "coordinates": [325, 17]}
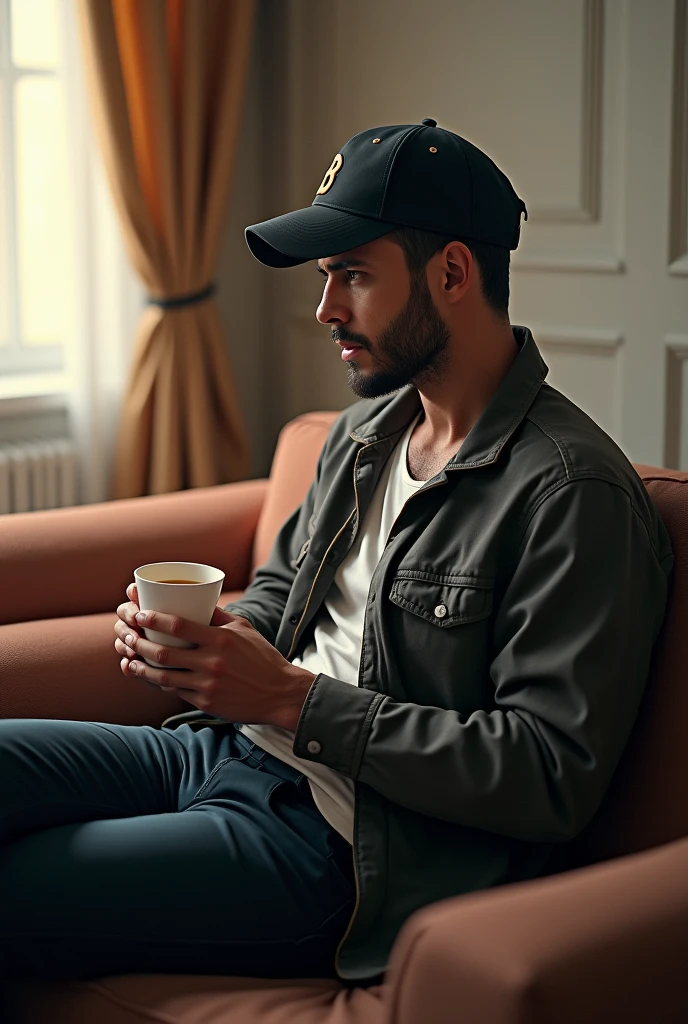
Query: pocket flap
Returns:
{"type": "Point", "coordinates": [443, 600]}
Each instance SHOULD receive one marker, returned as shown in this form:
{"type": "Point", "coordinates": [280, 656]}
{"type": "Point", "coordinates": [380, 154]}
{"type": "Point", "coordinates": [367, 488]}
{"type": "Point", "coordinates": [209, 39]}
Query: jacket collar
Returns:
{"type": "Point", "coordinates": [497, 422]}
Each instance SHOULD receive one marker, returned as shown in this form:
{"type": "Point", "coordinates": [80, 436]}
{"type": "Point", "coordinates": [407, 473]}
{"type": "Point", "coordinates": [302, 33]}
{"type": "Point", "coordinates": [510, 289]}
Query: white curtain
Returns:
{"type": "Point", "coordinates": [110, 297]}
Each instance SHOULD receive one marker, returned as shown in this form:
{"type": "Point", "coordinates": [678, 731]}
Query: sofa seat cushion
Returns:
{"type": "Point", "coordinates": [187, 999]}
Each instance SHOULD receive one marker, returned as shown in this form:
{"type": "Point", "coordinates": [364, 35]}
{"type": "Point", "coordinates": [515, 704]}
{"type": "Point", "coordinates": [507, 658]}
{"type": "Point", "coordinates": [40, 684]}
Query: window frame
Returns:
{"type": "Point", "coordinates": [16, 357]}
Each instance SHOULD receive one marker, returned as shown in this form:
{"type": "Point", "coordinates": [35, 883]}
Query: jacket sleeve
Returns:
{"type": "Point", "coordinates": [572, 642]}
{"type": "Point", "coordinates": [264, 600]}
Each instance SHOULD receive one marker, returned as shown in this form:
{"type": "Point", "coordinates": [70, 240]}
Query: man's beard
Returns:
{"type": "Point", "coordinates": [412, 349]}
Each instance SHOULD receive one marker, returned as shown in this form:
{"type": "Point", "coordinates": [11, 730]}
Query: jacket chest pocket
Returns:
{"type": "Point", "coordinates": [445, 601]}
{"type": "Point", "coordinates": [440, 631]}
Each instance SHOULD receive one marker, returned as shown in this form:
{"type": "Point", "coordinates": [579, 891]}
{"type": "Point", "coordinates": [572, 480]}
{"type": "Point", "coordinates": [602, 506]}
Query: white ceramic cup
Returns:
{"type": "Point", "coordinates": [195, 601]}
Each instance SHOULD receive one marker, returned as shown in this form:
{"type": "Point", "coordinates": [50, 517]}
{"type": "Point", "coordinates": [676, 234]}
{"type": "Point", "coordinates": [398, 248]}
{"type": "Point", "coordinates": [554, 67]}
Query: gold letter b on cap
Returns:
{"type": "Point", "coordinates": [332, 171]}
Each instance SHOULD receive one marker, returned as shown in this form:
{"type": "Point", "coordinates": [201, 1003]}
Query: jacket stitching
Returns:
{"type": "Point", "coordinates": [464, 579]}
{"type": "Point", "coordinates": [519, 416]}
{"type": "Point", "coordinates": [309, 695]}
{"type": "Point", "coordinates": [357, 754]}
{"type": "Point", "coordinates": [558, 442]}
{"type": "Point", "coordinates": [605, 478]}
{"type": "Point", "coordinates": [377, 699]}
{"type": "Point", "coordinates": [452, 620]}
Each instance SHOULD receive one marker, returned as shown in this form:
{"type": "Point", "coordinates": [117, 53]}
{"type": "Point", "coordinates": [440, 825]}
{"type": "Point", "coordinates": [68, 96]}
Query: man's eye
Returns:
{"type": "Point", "coordinates": [352, 275]}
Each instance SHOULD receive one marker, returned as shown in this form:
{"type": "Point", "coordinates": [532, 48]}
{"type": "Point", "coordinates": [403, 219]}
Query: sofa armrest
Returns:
{"type": "Point", "coordinates": [599, 944]}
{"type": "Point", "coordinates": [69, 669]}
{"type": "Point", "coordinates": [80, 560]}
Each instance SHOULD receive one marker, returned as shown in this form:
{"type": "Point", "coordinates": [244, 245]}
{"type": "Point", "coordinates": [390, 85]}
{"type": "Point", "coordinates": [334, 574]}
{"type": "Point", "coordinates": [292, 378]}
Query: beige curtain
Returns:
{"type": "Point", "coordinates": [166, 79]}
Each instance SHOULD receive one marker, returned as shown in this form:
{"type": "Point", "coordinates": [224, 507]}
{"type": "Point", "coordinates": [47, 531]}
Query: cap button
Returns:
{"type": "Point", "coordinates": [430, 122]}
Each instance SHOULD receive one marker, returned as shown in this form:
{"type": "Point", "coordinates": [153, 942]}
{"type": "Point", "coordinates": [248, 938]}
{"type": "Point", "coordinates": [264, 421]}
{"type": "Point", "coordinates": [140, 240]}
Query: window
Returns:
{"type": "Point", "coordinates": [37, 280]}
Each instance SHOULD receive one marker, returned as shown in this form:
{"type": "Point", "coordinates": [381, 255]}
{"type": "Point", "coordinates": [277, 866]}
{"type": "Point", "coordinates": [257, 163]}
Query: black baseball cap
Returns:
{"type": "Point", "coordinates": [413, 175]}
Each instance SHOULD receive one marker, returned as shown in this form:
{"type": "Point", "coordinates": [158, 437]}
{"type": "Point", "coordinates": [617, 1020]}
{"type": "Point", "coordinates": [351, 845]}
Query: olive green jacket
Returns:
{"type": "Point", "coordinates": [506, 643]}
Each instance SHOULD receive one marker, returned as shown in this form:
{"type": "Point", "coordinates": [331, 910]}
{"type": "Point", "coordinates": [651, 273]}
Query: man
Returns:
{"type": "Point", "coordinates": [429, 683]}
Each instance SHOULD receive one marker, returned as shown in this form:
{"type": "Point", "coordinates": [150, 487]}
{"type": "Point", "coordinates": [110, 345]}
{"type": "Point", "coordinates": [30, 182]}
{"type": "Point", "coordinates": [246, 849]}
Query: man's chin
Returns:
{"type": "Point", "coordinates": [373, 385]}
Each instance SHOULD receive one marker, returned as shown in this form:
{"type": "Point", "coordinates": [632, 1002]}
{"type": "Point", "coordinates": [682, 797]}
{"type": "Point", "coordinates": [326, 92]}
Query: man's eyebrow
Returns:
{"type": "Point", "coordinates": [341, 265]}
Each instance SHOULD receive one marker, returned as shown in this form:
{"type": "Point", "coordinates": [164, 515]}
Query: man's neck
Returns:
{"type": "Point", "coordinates": [468, 384]}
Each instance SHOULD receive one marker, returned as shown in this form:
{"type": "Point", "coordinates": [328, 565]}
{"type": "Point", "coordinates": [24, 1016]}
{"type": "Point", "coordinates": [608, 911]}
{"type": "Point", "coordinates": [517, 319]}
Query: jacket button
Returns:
{"type": "Point", "coordinates": [441, 611]}
{"type": "Point", "coordinates": [313, 747]}
{"type": "Point", "coordinates": [293, 619]}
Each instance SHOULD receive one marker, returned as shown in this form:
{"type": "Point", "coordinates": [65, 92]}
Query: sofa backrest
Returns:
{"type": "Point", "coordinates": [293, 467]}
{"type": "Point", "coordinates": [647, 802]}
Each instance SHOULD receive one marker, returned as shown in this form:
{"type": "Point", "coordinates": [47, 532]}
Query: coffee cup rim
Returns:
{"type": "Point", "coordinates": [139, 573]}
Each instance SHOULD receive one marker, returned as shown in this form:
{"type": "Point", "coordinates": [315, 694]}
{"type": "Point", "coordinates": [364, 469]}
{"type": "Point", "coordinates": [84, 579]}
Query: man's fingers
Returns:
{"type": "Point", "coordinates": [127, 613]}
{"type": "Point", "coordinates": [159, 655]}
{"type": "Point", "coordinates": [125, 669]}
{"type": "Point", "coordinates": [133, 593]}
{"type": "Point", "coordinates": [175, 625]}
{"type": "Point", "coordinates": [122, 648]}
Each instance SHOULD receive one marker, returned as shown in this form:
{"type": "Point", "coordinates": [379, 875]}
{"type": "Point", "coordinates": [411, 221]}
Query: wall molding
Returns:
{"type": "Point", "coordinates": [678, 202]}
{"type": "Point", "coordinates": [583, 264]}
{"type": "Point", "coordinates": [598, 341]}
{"type": "Point", "coordinates": [676, 354]}
{"type": "Point", "coordinates": [587, 343]}
{"type": "Point", "coordinates": [587, 209]}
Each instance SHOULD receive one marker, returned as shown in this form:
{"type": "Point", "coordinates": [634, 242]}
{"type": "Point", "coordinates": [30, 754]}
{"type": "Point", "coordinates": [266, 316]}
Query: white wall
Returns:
{"type": "Point", "coordinates": [583, 103]}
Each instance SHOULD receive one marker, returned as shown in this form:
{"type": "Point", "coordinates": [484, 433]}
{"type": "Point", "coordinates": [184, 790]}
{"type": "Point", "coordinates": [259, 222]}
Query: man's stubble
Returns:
{"type": "Point", "coordinates": [412, 349]}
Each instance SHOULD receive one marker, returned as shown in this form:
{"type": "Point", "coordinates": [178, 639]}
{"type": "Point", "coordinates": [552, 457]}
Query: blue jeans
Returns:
{"type": "Point", "coordinates": [130, 849]}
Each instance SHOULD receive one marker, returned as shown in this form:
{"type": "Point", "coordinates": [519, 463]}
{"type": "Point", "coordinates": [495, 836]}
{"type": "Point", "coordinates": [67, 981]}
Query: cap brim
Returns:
{"type": "Point", "coordinates": [310, 234]}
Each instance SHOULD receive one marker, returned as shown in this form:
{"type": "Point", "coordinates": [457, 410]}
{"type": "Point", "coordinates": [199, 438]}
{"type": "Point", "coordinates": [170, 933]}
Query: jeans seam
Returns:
{"type": "Point", "coordinates": [220, 764]}
{"type": "Point", "coordinates": [334, 913]}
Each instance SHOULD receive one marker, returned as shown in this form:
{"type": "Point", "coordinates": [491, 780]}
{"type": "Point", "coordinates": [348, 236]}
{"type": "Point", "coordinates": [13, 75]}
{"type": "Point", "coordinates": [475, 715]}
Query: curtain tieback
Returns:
{"type": "Point", "coordinates": [177, 301]}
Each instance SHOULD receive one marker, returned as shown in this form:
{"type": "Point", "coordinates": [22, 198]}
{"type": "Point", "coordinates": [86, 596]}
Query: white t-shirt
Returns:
{"type": "Point", "coordinates": [335, 648]}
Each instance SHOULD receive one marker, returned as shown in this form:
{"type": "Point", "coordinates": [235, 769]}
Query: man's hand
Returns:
{"type": "Point", "coordinates": [232, 671]}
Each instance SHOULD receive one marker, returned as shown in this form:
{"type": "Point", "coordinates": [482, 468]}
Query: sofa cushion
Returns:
{"type": "Point", "coordinates": [187, 999]}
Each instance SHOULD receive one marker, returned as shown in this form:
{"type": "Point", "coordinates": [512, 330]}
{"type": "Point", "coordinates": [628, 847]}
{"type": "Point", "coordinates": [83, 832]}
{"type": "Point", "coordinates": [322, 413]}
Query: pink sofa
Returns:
{"type": "Point", "coordinates": [603, 940]}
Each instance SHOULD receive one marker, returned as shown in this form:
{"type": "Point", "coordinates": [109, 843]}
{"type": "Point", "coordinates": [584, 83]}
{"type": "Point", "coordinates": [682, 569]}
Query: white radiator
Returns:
{"type": "Point", "coordinates": [37, 474]}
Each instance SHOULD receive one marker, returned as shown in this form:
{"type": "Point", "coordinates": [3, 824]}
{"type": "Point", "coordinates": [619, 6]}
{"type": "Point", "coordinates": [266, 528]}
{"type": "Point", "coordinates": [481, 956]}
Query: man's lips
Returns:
{"type": "Point", "coordinates": [349, 349]}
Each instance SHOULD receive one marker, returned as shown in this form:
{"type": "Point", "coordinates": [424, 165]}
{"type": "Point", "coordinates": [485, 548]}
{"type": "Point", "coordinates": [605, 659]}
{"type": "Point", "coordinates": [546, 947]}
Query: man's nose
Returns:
{"type": "Point", "coordinates": [331, 310]}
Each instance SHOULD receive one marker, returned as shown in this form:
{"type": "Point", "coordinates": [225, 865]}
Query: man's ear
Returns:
{"type": "Point", "coordinates": [459, 269]}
